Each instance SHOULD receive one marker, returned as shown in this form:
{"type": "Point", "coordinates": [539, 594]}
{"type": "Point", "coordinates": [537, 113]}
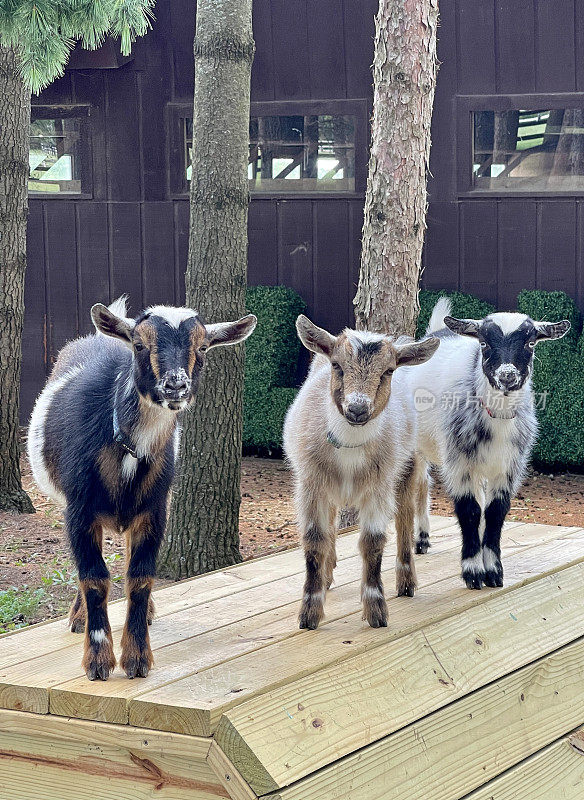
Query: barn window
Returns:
{"type": "Point", "coordinates": [294, 153]}
{"type": "Point", "coordinates": [528, 150]}
{"type": "Point", "coordinates": [295, 148]}
{"type": "Point", "coordinates": [58, 151]}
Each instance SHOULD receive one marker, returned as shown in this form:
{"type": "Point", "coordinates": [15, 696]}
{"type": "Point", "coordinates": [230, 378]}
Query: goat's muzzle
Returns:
{"type": "Point", "coordinates": [358, 411]}
{"type": "Point", "coordinates": [507, 377]}
{"type": "Point", "coordinates": [175, 390]}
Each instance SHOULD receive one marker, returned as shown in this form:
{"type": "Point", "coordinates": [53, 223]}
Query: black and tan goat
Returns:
{"type": "Point", "coordinates": [103, 440]}
{"type": "Point", "coordinates": [351, 442]}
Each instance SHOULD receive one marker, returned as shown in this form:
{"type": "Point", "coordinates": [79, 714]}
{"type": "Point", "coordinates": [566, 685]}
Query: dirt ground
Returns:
{"type": "Point", "coordinates": [34, 554]}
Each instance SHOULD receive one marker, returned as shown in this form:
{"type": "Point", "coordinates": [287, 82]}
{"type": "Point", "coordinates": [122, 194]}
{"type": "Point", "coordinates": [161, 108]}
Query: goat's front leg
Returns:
{"type": "Point", "coordinates": [374, 517]}
{"type": "Point", "coordinates": [468, 512]}
{"type": "Point", "coordinates": [144, 537]}
{"type": "Point", "coordinates": [94, 581]}
{"type": "Point", "coordinates": [78, 612]}
{"type": "Point", "coordinates": [422, 501]}
{"type": "Point", "coordinates": [497, 508]}
{"type": "Point", "coordinates": [314, 525]}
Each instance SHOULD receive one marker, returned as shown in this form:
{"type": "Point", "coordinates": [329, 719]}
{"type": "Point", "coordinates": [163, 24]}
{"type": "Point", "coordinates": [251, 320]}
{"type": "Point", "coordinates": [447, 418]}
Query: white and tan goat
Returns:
{"type": "Point", "coordinates": [351, 442]}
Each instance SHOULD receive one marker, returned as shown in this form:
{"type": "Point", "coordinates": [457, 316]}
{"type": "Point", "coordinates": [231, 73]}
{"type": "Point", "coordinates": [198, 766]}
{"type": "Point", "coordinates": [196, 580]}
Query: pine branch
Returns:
{"type": "Point", "coordinates": [43, 32]}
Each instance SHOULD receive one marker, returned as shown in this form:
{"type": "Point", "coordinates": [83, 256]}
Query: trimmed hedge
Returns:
{"type": "Point", "coordinates": [271, 362]}
{"type": "Point", "coordinates": [558, 372]}
{"type": "Point", "coordinates": [558, 378]}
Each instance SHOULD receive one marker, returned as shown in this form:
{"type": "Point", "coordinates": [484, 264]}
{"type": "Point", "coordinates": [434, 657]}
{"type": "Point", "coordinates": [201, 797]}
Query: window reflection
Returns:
{"type": "Point", "coordinates": [529, 150]}
{"type": "Point", "coordinates": [55, 164]}
{"type": "Point", "coordinates": [296, 153]}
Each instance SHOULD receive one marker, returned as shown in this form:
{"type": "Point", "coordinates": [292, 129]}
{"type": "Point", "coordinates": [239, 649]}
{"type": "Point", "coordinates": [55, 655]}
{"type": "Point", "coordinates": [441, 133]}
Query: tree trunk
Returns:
{"type": "Point", "coordinates": [404, 74]}
{"type": "Point", "coordinates": [203, 528]}
{"type": "Point", "coordinates": [14, 134]}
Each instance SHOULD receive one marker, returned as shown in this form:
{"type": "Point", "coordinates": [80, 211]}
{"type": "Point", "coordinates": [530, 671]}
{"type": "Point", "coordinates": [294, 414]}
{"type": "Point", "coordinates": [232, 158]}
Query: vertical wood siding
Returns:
{"type": "Point", "coordinates": [131, 237]}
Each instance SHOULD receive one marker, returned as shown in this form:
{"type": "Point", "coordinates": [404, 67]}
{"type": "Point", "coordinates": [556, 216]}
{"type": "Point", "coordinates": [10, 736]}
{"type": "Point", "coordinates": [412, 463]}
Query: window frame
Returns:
{"type": "Point", "coordinates": [81, 112]}
{"type": "Point", "coordinates": [467, 104]}
{"type": "Point", "coordinates": [178, 187]}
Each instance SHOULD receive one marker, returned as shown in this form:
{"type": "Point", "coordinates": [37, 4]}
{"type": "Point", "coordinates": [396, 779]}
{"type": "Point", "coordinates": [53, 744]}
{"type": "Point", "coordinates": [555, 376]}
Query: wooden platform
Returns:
{"type": "Point", "coordinates": [465, 694]}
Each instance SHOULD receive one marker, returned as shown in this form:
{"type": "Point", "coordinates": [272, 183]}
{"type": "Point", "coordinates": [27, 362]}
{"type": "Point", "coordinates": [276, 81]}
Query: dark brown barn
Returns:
{"type": "Point", "coordinates": [110, 149]}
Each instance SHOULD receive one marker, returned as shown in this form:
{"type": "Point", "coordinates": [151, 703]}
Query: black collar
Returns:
{"type": "Point", "coordinates": [121, 437]}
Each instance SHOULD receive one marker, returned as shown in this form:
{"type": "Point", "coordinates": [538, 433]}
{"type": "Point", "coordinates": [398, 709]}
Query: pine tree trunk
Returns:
{"type": "Point", "coordinates": [404, 74]}
{"type": "Point", "coordinates": [14, 134]}
{"type": "Point", "coordinates": [203, 528]}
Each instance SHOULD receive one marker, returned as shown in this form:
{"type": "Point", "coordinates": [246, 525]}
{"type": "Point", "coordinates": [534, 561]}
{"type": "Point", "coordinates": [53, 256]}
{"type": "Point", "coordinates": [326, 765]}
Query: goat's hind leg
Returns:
{"type": "Point", "coordinates": [77, 614]}
{"type": "Point", "coordinates": [405, 569]}
{"type": "Point", "coordinates": [331, 558]}
{"type": "Point", "coordinates": [422, 500]}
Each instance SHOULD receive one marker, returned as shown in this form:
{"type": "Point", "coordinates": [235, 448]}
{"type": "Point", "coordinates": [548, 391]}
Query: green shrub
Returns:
{"type": "Point", "coordinates": [463, 305]}
{"type": "Point", "coordinates": [271, 361]}
{"type": "Point", "coordinates": [558, 380]}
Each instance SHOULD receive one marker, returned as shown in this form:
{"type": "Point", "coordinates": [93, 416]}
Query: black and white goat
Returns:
{"type": "Point", "coordinates": [350, 439]}
{"type": "Point", "coordinates": [103, 440]}
{"type": "Point", "coordinates": [477, 422]}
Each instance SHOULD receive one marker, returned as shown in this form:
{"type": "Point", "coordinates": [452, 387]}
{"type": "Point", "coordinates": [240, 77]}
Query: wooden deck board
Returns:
{"type": "Point", "coordinates": [464, 692]}
{"type": "Point", "coordinates": [555, 773]}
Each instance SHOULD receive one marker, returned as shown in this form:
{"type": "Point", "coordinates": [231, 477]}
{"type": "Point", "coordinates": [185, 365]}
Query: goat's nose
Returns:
{"type": "Point", "coordinates": [175, 383]}
{"type": "Point", "coordinates": [357, 412]}
{"type": "Point", "coordinates": [508, 378]}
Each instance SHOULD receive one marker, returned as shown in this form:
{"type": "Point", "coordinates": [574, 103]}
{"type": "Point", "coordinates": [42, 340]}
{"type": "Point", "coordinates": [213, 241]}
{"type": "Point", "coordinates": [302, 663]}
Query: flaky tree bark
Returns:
{"type": "Point", "coordinates": [404, 74]}
{"type": "Point", "coordinates": [14, 133]}
{"type": "Point", "coordinates": [203, 529]}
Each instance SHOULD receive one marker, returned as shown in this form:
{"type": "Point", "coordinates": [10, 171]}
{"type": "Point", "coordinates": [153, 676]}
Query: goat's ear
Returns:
{"type": "Point", "coordinates": [464, 327]}
{"type": "Point", "coordinates": [314, 338]}
{"type": "Point", "coordinates": [223, 333]}
{"type": "Point", "coordinates": [110, 324]}
{"type": "Point", "coordinates": [552, 330]}
{"type": "Point", "coordinates": [408, 355]}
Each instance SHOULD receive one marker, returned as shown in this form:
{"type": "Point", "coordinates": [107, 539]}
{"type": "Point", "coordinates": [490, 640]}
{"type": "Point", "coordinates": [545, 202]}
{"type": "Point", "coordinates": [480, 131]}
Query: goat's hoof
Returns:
{"type": "Point", "coordinates": [474, 580]}
{"type": "Point", "coordinates": [406, 591]}
{"type": "Point", "coordinates": [493, 578]}
{"type": "Point", "coordinates": [99, 663]}
{"type": "Point", "coordinates": [137, 665]}
{"type": "Point", "coordinates": [376, 614]}
{"type": "Point", "coordinates": [310, 615]}
{"type": "Point", "coordinates": [422, 543]}
{"type": "Point", "coordinates": [96, 671]}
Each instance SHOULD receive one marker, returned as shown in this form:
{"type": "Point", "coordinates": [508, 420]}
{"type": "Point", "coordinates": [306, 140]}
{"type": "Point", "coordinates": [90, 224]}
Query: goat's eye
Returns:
{"type": "Point", "coordinates": [483, 345]}
{"type": "Point", "coordinates": [388, 373]}
{"type": "Point", "coordinates": [138, 346]}
{"type": "Point", "coordinates": [531, 343]}
{"type": "Point", "coordinates": [203, 348]}
{"type": "Point", "coordinates": [337, 368]}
